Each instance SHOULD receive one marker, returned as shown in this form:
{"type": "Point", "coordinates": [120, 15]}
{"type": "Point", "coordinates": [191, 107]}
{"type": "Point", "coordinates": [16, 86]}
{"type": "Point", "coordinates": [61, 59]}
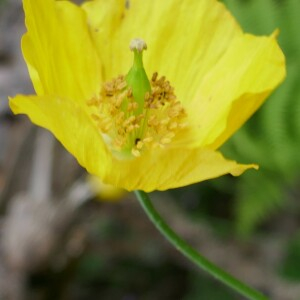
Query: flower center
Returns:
{"type": "Point", "coordinates": [134, 114]}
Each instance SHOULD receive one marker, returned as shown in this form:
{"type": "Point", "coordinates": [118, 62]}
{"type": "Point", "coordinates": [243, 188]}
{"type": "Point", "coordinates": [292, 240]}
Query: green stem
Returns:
{"type": "Point", "coordinates": [192, 254]}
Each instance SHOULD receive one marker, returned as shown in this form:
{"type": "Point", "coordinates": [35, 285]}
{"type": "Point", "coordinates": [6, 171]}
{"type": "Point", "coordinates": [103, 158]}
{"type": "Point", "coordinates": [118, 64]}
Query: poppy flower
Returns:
{"type": "Point", "coordinates": [156, 123]}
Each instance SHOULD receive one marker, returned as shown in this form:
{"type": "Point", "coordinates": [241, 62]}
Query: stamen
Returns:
{"type": "Point", "coordinates": [154, 76]}
{"type": "Point", "coordinates": [116, 115]}
{"type": "Point", "coordinates": [134, 114]}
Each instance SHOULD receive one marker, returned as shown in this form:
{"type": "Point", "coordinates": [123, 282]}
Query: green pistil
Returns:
{"type": "Point", "coordinates": [137, 78]}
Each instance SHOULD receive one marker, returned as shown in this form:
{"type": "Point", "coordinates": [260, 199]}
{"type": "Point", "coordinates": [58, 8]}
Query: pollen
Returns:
{"type": "Point", "coordinates": [130, 129]}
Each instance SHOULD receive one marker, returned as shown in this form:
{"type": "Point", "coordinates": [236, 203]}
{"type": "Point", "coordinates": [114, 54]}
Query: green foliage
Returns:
{"type": "Point", "coordinates": [272, 137]}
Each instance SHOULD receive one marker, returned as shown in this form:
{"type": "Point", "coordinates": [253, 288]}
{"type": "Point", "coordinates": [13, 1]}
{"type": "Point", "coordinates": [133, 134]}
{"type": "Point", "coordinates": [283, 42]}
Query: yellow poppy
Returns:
{"type": "Point", "coordinates": [211, 78]}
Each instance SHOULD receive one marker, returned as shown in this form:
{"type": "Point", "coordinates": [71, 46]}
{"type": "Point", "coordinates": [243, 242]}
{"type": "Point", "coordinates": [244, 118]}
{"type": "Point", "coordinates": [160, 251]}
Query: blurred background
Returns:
{"type": "Point", "coordinates": [64, 235]}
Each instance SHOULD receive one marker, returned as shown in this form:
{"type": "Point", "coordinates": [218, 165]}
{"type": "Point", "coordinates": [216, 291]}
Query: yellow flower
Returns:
{"type": "Point", "coordinates": [216, 77]}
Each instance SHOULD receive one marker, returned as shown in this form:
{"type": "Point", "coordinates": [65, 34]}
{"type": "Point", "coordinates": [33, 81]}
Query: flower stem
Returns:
{"type": "Point", "coordinates": [192, 254]}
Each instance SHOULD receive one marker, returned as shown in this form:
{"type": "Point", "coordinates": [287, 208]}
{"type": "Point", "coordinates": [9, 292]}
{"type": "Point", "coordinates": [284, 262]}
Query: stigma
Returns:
{"type": "Point", "coordinates": [135, 114]}
{"type": "Point", "coordinates": [137, 44]}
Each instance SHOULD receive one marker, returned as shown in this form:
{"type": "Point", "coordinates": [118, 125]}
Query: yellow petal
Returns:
{"type": "Point", "coordinates": [172, 168]}
{"type": "Point", "coordinates": [58, 49]}
{"type": "Point", "coordinates": [240, 111]}
{"type": "Point", "coordinates": [70, 125]}
{"type": "Point", "coordinates": [235, 87]}
{"type": "Point", "coordinates": [104, 19]}
{"type": "Point", "coordinates": [185, 38]}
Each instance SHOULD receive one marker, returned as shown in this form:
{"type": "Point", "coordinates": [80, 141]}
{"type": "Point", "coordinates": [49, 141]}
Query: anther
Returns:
{"type": "Point", "coordinates": [154, 76]}
{"type": "Point", "coordinates": [136, 152]}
